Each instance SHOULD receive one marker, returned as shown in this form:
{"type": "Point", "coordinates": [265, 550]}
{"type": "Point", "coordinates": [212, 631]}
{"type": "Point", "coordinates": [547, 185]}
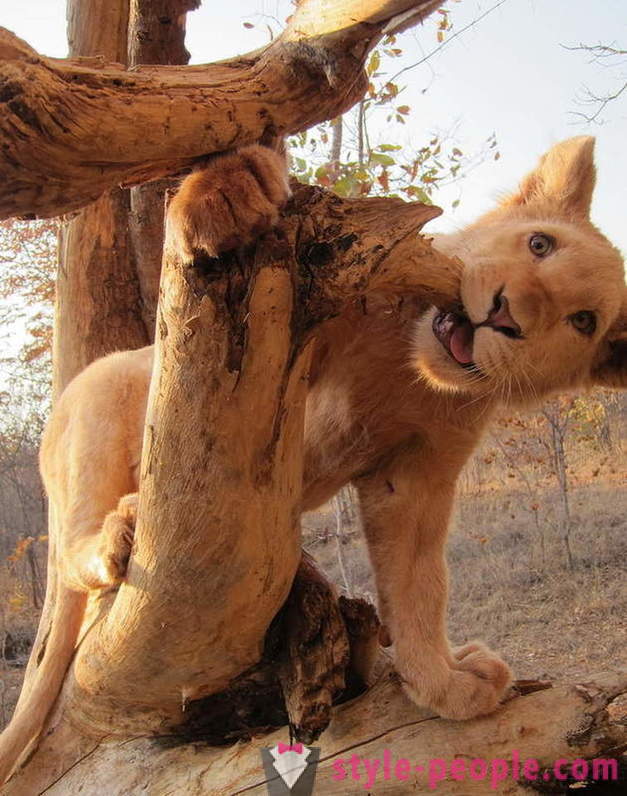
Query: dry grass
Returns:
{"type": "Point", "coordinates": [510, 582]}
{"type": "Point", "coordinates": [547, 620]}
{"type": "Point", "coordinates": [18, 624]}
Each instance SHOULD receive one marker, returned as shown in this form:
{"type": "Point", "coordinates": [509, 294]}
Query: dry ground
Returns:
{"type": "Point", "coordinates": [547, 621]}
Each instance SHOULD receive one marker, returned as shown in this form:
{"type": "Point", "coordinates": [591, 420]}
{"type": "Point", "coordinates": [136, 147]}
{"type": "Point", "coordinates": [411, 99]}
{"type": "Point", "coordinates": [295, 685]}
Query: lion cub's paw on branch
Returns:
{"type": "Point", "coordinates": [116, 539]}
{"type": "Point", "coordinates": [229, 203]}
{"type": "Point", "coordinates": [472, 684]}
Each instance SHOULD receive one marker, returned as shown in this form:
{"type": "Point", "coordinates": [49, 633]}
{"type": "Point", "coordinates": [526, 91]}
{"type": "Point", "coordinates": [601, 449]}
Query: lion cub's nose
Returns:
{"type": "Point", "coordinates": [500, 318]}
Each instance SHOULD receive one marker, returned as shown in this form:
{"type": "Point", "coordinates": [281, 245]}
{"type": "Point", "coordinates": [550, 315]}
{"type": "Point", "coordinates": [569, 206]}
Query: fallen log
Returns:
{"type": "Point", "coordinates": [584, 719]}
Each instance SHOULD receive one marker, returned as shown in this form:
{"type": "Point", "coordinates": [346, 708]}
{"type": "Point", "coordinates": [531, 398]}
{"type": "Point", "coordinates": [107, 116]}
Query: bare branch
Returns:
{"type": "Point", "coordinates": [448, 40]}
{"type": "Point", "coordinates": [72, 129]}
{"type": "Point", "coordinates": [609, 56]}
{"type": "Point", "coordinates": [601, 102]}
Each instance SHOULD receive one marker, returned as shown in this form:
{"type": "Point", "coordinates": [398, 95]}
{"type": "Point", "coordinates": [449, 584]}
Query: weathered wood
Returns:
{"type": "Point", "coordinates": [156, 31]}
{"type": "Point", "coordinates": [584, 718]}
{"type": "Point", "coordinates": [98, 301]}
{"type": "Point", "coordinates": [110, 252]}
{"type": "Point", "coordinates": [98, 28]}
{"type": "Point", "coordinates": [145, 225]}
{"type": "Point", "coordinates": [317, 651]}
{"type": "Point", "coordinates": [97, 294]}
{"type": "Point", "coordinates": [108, 275]}
{"type": "Point", "coordinates": [217, 540]}
{"type": "Point", "coordinates": [232, 343]}
{"type": "Point", "coordinates": [314, 670]}
{"type": "Point", "coordinates": [71, 130]}
{"type": "Point", "coordinates": [156, 35]}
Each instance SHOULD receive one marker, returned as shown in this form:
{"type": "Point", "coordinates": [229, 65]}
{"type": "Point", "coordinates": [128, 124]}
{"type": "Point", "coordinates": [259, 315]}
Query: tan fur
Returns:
{"type": "Point", "coordinates": [388, 409]}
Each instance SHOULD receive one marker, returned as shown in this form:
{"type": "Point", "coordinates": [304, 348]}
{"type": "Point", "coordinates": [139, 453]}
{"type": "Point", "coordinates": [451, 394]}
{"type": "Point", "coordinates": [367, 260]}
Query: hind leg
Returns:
{"type": "Point", "coordinates": [116, 540]}
{"type": "Point", "coordinates": [99, 559]}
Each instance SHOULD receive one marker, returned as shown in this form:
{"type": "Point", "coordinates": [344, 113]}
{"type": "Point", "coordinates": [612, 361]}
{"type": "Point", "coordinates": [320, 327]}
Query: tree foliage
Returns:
{"type": "Point", "coordinates": [367, 152]}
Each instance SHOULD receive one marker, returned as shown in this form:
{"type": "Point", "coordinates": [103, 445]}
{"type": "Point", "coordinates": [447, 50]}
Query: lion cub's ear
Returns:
{"type": "Point", "coordinates": [563, 180]}
{"type": "Point", "coordinates": [611, 371]}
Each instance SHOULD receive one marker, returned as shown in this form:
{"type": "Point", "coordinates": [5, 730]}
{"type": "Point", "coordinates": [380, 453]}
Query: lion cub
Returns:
{"type": "Point", "coordinates": [398, 402]}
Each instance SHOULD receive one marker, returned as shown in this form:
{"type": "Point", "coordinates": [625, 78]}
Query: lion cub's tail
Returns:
{"type": "Point", "coordinates": [34, 707]}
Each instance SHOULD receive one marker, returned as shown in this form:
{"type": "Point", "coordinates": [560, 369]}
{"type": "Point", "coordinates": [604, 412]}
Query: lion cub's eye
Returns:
{"type": "Point", "coordinates": [584, 321]}
{"type": "Point", "coordinates": [540, 244]}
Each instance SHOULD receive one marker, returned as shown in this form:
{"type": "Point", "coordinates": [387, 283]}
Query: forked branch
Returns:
{"type": "Point", "coordinates": [217, 540]}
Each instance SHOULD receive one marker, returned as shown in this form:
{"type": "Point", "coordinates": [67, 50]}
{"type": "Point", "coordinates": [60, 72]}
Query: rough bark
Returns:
{"type": "Point", "coordinates": [156, 35]}
{"type": "Point", "coordinates": [581, 719]}
{"type": "Point", "coordinates": [110, 252]}
{"type": "Point", "coordinates": [156, 31]}
{"type": "Point", "coordinates": [97, 295]}
{"type": "Point", "coordinates": [71, 130]}
{"type": "Point", "coordinates": [226, 416]}
{"type": "Point", "coordinates": [98, 299]}
{"type": "Point", "coordinates": [217, 539]}
{"type": "Point", "coordinates": [98, 303]}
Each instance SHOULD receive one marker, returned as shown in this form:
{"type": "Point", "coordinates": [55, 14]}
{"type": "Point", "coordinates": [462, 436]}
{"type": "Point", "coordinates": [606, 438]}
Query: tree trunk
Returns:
{"type": "Point", "coordinates": [98, 303]}
{"type": "Point", "coordinates": [97, 295]}
{"type": "Point", "coordinates": [217, 539]}
{"type": "Point", "coordinates": [110, 252]}
{"type": "Point", "coordinates": [98, 298]}
{"type": "Point", "coordinates": [156, 36]}
{"type": "Point", "coordinates": [224, 431]}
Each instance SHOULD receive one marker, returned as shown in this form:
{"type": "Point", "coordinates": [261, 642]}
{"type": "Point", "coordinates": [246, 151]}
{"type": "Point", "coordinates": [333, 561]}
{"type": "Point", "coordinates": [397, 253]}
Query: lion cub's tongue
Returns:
{"type": "Point", "coordinates": [461, 343]}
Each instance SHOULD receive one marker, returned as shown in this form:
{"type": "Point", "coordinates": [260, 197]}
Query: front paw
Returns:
{"type": "Point", "coordinates": [229, 203]}
{"type": "Point", "coordinates": [118, 531]}
{"type": "Point", "coordinates": [471, 684]}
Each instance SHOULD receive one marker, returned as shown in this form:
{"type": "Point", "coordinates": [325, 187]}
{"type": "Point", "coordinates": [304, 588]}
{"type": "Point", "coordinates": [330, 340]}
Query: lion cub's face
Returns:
{"type": "Point", "coordinates": [543, 293]}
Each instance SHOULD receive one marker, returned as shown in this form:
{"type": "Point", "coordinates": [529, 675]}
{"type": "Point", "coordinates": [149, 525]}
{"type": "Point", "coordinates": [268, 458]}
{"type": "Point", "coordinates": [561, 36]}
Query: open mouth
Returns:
{"type": "Point", "coordinates": [456, 334]}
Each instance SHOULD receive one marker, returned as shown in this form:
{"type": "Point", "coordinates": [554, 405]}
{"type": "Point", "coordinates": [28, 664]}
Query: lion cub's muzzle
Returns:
{"type": "Point", "coordinates": [456, 332]}
{"type": "Point", "coordinates": [500, 318]}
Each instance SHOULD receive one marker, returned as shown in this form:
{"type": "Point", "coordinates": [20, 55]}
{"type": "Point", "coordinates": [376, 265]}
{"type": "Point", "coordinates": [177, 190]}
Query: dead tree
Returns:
{"type": "Point", "coordinates": [221, 629]}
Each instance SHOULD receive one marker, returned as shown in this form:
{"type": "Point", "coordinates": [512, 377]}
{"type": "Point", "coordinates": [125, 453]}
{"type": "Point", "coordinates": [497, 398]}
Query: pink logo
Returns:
{"type": "Point", "coordinates": [283, 747]}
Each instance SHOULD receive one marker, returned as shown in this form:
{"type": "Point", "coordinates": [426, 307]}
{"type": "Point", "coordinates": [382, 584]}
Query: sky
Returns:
{"type": "Point", "coordinates": [509, 74]}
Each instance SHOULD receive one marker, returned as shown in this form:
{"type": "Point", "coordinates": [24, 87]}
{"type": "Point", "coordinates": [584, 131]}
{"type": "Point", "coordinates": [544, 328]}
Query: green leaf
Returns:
{"type": "Point", "coordinates": [417, 193]}
{"type": "Point", "coordinates": [344, 186]}
{"type": "Point", "coordinates": [381, 159]}
{"type": "Point", "coordinates": [389, 147]}
{"type": "Point", "coordinates": [373, 63]}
